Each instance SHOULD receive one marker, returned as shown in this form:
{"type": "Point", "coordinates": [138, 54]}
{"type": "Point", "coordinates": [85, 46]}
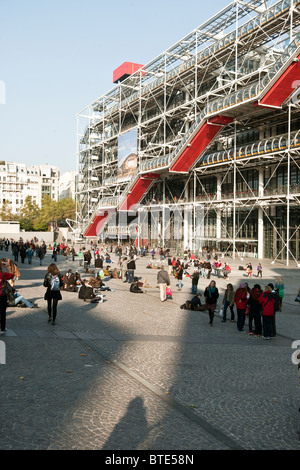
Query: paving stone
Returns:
{"type": "Point", "coordinates": [131, 372]}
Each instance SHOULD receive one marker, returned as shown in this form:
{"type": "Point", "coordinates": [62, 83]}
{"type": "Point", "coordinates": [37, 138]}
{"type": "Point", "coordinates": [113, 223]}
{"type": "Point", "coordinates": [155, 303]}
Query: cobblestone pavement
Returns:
{"type": "Point", "coordinates": [133, 373]}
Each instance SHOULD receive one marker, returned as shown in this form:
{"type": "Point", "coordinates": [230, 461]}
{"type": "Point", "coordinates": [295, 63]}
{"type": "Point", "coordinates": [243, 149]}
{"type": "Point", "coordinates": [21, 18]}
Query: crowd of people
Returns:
{"type": "Point", "coordinates": [257, 304]}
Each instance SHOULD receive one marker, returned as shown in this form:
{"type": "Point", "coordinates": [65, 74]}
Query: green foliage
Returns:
{"type": "Point", "coordinates": [28, 213]}
{"type": "Point", "coordinates": [6, 212]}
{"type": "Point", "coordinates": [52, 212]}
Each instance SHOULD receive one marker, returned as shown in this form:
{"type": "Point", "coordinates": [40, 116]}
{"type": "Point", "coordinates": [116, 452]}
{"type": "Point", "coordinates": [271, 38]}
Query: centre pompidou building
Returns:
{"type": "Point", "coordinates": [199, 148]}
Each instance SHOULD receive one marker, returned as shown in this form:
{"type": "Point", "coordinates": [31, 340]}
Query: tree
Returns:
{"type": "Point", "coordinates": [67, 209]}
{"type": "Point", "coordinates": [6, 212]}
{"type": "Point", "coordinates": [48, 214]}
{"type": "Point", "coordinates": [28, 214]}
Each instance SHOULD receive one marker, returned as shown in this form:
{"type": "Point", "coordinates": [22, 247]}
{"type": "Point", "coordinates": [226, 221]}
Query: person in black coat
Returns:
{"type": "Point", "coordinates": [135, 288]}
{"type": "Point", "coordinates": [98, 263]}
{"type": "Point", "coordinates": [87, 294]}
{"type": "Point", "coordinates": [211, 295]}
{"type": "Point", "coordinates": [130, 269]}
{"type": "Point", "coordinates": [54, 282]}
{"type": "Point", "coordinates": [41, 254]}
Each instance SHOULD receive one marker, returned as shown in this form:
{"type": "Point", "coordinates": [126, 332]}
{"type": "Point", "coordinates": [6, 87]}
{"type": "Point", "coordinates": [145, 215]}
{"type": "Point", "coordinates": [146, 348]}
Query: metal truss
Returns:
{"type": "Point", "coordinates": [238, 50]}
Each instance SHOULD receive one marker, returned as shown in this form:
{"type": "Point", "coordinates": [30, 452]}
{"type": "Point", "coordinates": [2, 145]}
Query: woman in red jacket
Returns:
{"type": "Point", "coordinates": [240, 300]}
{"type": "Point", "coordinates": [3, 298]}
{"type": "Point", "coordinates": [267, 301]}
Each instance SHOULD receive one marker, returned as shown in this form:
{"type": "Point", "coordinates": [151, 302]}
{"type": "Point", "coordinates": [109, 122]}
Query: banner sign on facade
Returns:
{"type": "Point", "coordinates": [127, 155]}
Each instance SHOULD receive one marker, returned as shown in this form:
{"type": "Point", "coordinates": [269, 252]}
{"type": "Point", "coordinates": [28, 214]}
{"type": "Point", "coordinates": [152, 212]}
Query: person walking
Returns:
{"type": "Point", "coordinates": [211, 295]}
{"type": "Point", "coordinates": [163, 280]}
{"type": "Point", "coordinates": [240, 300]}
{"type": "Point", "coordinates": [267, 301]}
{"type": "Point", "coordinates": [228, 301]}
{"type": "Point", "coordinates": [3, 298]}
{"type": "Point", "coordinates": [53, 281]}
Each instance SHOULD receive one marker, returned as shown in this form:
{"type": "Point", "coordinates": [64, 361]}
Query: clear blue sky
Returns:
{"type": "Point", "coordinates": [56, 57]}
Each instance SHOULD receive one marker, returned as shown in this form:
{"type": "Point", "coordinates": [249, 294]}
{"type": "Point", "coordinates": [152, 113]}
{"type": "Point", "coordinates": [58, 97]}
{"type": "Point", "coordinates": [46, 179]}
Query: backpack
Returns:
{"type": "Point", "coordinates": [54, 283]}
{"type": "Point", "coordinates": [280, 292]}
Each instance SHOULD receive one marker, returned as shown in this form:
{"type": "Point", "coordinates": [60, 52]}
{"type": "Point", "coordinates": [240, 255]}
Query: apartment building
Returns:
{"type": "Point", "coordinates": [67, 185]}
{"type": "Point", "coordinates": [17, 181]}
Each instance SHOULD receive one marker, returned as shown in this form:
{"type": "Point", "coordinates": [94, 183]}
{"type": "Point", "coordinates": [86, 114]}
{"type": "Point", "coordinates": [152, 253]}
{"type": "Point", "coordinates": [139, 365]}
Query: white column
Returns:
{"type": "Point", "coordinates": [260, 221]}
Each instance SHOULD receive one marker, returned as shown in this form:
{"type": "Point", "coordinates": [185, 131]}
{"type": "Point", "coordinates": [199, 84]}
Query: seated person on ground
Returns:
{"type": "Point", "coordinates": [135, 287]}
{"type": "Point", "coordinates": [14, 298]}
{"type": "Point", "coordinates": [86, 293]}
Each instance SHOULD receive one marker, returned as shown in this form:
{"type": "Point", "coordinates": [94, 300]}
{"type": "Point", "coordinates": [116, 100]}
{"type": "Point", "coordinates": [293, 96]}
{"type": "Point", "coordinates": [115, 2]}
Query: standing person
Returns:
{"type": "Point", "coordinates": [123, 265]}
{"type": "Point", "coordinates": [228, 301]}
{"type": "Point", "coordinates": [80, 256]}
{"type": "Point", "coordinates": [173, 266]}
{"type": "Point", "coordinates": [41, 254]}
{"type": "Point", "coordinates": [67, 253]}
{"type": "Point", "coordinates": [195, 280]}
{"type": "Point", "coordinates": [240, 299]}
{"type": "Point", "coordinates": [179, 274]}
{"type": "Point", "coordinates": [98, 264]}
{"type": "Point", "coordinates": [169, 265]}
{"type": "Point", "coordinates": [211, 295]}
{"type": "Point", "coordinates": [53, 281]}
{"type": "Point", "coordinates": [3, 298]}
{"type": "Point", "coordinates": [276, 308]}
{"type": "Point", "coordinates": [267, 301]}
{"type": "Point", "coordinates": [249, 270]}
{"type": "Point", "coordinates": [22, 253]}
{"type": "Point", "coordinates": [226, 271]}
{"type": "Point", "coordinates": [73, 253]}
{"type": "Point", "coordinates": [130, 270]}
{"type": "Point", "coordinates": [208, 269]}
{"type": "Point", "coordinates": [255, 310]}
{"type": "Point", "coordinates": [15, 251]}
{"type": "Point", "coordinates": [259, 270]}
{"type": "Point", "coordinates": [87, 257]}
{"type": "Point", "coordinates": [163, 280]}
{"type": "Point", "coordinates": [279, 287]}
{"type": "Point", "coordinates": [29, 253]}
{"type": "Point", "coordinates": [54, 252]}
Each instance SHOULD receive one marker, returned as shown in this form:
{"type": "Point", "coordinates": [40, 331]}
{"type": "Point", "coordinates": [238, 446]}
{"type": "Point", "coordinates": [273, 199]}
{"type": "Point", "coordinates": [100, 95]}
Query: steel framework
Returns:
{"type": "Point", "coordinates": [217, 120]}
